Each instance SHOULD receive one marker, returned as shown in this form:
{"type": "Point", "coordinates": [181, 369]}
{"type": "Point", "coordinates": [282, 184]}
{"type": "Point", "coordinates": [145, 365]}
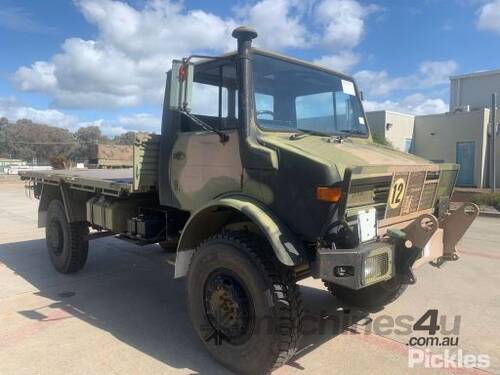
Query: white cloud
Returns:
{"type": "Point", "coordinates": [429, 74]}
{"type": "Point", "coordinates": [13, 110]}
{"type": "Point", "coordinates": [342, 62]}
{"type": "Point", "coordinates": [489, 17]}
{"type": "Point", "coordinates": [139, 122]}
{"type": "Point", "coordinates": [378, 83]}
{"type": "Point", "coordinates": [124, 66]}
{"type": "Point", "coordinates": [343, 21]}
{"type": "Point", "coordinates": [433, 73]}
{"type": "Point", "coordinates": [278, 23]}
{"type": "Point", "coordinates": [416, 104]}
{"type": "Point", "coordinates": [40, 77]}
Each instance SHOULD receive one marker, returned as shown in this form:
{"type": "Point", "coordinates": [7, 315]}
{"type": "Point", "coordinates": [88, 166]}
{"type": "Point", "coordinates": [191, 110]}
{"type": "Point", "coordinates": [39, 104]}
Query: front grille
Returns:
{"type": "Point", "coordinates": [381, 193]}
{"type": "Point", "coordinates": [369, 192]}
{"type": "Point", "coordinates": [421, 189]}
{"type": "Point", "coordinates": [419, 193]}
{"type": "Point", "coordinates": [413, 192]}
{"type": "Point", "coordinates": [427, 200]}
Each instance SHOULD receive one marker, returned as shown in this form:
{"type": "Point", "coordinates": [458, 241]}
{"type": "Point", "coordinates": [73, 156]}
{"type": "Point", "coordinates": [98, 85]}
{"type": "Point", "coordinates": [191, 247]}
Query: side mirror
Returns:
{"type": "Point", "coordinates": [181, 86]}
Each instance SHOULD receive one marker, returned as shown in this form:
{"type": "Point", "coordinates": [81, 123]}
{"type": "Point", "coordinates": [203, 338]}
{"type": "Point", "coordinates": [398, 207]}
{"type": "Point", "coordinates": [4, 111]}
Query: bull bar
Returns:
{"type": "Point", "coordinates": [425, 239]}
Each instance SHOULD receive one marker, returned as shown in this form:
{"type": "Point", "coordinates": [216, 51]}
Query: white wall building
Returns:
{"type": "Point", "coordinates": [393, 127]}
{"type": "Point", "coordinates": [473, 91]}
{"type": "Point", "coordinates": [460, 138]}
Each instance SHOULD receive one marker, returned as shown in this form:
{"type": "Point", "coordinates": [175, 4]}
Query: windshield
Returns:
{"type": "Point", "coordinates": [294, 97]}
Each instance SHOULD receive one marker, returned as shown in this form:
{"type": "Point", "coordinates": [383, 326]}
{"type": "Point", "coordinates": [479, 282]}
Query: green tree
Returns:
{"type": "Point", "coordinates": [124, 139]}
{"type": "Point", "coordinates": [27, 140]}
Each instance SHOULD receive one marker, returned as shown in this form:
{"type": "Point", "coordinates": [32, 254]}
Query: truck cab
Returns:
{"type": "Point", "coordinates": [266, 173]}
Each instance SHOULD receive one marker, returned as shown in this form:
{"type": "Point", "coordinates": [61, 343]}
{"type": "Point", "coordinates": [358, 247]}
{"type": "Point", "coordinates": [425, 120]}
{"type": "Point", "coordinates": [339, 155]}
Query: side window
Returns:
{"type": "Point", "coordinates": [213, 99]}
{"type": "Point", "coordinates": [205, 100]}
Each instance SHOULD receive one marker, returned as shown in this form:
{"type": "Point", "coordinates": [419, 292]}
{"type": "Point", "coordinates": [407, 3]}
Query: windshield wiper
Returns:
{"type": "Point", "coordinates": [353, 131]}
{"type": "Point", "coordinates": [309, 132]}
{"type": "Point", "coordinates": [345, 133]}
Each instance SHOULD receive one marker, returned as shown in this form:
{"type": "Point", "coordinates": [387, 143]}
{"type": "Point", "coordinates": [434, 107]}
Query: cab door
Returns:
{"type": "Point", "coordinates": [203, 167]}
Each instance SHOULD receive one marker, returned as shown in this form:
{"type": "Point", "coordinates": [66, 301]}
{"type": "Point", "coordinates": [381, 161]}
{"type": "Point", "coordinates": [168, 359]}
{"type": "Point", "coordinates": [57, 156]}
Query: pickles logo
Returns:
{"type": "Point", "coordinates": [397, 193]}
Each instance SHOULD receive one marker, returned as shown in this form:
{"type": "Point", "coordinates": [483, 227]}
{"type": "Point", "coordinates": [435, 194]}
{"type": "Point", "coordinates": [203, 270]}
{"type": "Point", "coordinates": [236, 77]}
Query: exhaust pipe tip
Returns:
{"type": "Point", "coordinates": [244, 33]}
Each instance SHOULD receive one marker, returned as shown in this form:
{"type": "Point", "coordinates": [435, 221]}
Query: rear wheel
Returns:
{"type": "Point", "coordinates": [373, 297]}
{"type": "Point", "coordinates": [243, 305]}
{"type": "Point", "coordinates": [66, 242]}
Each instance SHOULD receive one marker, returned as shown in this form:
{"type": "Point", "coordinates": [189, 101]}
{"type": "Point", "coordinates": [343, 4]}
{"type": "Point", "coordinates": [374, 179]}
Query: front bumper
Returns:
{"type": "Point", "coordinates": [425, 240]}
{"type": "Point", "coordinates": [348, 267]}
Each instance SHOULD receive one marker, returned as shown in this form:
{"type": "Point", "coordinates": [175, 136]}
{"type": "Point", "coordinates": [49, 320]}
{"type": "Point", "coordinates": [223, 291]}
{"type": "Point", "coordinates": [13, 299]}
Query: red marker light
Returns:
{"type": "Point", "coordinates": [182, 73]}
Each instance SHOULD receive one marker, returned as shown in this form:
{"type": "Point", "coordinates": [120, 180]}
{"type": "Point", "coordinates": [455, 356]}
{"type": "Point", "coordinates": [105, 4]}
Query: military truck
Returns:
{"type": "Point", "coordinates": [264, 174]}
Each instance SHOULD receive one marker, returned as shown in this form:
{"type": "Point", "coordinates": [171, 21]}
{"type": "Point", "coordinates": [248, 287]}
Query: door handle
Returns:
{"type": "Point", "coordinates": [179, 155]}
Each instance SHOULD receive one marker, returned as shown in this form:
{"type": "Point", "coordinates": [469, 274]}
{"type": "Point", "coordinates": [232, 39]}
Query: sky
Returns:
{"type": "Point", "coordinates": [103, 62]}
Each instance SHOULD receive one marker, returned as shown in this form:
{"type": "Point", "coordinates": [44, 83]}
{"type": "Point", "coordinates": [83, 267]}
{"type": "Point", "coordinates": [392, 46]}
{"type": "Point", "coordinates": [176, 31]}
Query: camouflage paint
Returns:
{"type": "Point", "coordinates": [202, 168]}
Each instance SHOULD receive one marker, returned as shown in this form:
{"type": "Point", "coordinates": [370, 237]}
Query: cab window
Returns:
{"type": "Point", "coordinates": [214, 96]}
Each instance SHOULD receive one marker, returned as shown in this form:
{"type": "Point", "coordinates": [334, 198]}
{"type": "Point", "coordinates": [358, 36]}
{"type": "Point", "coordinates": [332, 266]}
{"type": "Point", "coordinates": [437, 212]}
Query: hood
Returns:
{"type": "Point", "coordinates": [352, 152]}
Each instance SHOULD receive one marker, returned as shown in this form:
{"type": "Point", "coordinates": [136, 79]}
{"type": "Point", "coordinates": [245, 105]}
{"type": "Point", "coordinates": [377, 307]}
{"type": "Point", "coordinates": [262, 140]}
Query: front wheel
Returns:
{"type": "Point", "coordinates": [67, 243]}
{"type": "Point", "coordinates": [373, 297]}
{"type": "Point", "coordinates": [244, 306]}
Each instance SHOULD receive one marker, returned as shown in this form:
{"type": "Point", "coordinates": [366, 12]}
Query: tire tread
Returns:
{"type": "Point", "coordinates": [284, 289]}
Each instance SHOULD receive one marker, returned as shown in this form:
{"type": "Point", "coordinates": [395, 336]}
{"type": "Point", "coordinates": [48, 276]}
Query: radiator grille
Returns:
{"type": "Point", "coordinates": [428, 196]}
{"type": "Point", "coordinates": [413, 191]}
{"type": "Point", "coordinates": [420, 192]}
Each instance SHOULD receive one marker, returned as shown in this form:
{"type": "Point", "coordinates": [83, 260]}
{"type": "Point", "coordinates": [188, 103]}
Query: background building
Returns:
{"type": "Point", "coordinates": [6, 163]}
{"type": "Point", "coordinates": [473, 91]}
{"type": "Point", "coordinates": [456, 138]}
{"type": "Point", "coordinates": [462, 136]}
{"type": "Point", "coordinates": [393, 127]}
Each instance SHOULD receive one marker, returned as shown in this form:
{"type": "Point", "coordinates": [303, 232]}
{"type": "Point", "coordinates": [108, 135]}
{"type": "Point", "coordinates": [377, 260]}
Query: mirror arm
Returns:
{"type": "Point", "coordinates": [223, 136]}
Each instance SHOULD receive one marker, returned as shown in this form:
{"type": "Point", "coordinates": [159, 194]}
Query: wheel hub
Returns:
{"type": "Point", "coordinates": [228, 307]}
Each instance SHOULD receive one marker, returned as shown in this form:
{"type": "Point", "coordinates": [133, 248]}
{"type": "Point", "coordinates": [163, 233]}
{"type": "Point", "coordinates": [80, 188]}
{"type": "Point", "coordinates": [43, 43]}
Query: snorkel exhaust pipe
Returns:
{"type": "Point", "coordinates": [244, 35]}
{"type": "Point", "coordinates": [253, 154]}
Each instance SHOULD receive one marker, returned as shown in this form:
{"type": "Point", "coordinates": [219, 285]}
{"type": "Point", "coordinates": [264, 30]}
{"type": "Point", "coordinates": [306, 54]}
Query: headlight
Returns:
{"type": "Point", "coordinates": [377, 266]}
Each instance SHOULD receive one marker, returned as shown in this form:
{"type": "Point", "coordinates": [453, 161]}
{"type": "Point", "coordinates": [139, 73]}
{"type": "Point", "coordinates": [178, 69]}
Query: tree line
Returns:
{"type": "Point", "coordinates": [30, 141]}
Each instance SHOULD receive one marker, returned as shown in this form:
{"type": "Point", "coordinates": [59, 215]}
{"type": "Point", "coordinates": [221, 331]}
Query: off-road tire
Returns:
{"type": "Point", "coordinates": [275, 297]}
{"type": "Point", "coordinates": [66, 242]}
{"type": "Point", "coordinates": [372, 298]}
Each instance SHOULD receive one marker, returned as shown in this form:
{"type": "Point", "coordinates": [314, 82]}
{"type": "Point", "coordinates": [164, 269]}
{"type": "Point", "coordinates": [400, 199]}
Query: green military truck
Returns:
{"type": "Point", "coordinates": [264, 174]}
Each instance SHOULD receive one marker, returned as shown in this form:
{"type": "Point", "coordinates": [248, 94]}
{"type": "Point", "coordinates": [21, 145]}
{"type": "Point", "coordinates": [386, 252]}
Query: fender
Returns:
{"type": "Point", "coordinates": [212, 217]}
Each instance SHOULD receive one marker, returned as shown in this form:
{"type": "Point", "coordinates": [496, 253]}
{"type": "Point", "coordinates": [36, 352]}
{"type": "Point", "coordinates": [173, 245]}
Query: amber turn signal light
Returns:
{"type": "Point", "coordinates": [329, 194]}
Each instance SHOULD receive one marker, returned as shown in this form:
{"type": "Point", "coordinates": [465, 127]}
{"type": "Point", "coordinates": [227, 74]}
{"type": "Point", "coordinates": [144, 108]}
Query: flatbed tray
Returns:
{"type": "Point", "coordinates": [108, 181]}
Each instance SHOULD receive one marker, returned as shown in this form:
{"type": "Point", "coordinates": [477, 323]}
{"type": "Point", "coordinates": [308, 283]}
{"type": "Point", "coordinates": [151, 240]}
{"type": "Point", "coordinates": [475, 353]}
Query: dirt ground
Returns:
{"type": "Point", "coordinates": [124, 313]}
